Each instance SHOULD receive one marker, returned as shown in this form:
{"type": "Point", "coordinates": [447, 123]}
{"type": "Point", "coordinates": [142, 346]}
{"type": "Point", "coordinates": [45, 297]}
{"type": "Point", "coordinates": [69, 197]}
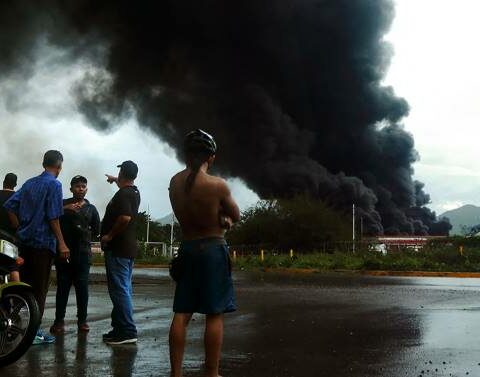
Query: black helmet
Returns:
{"type": "Point", "coordinates": [200, 141]}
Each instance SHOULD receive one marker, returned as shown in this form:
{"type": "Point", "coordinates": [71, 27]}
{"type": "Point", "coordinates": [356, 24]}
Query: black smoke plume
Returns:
{"type": "Point", "coordinates": [291, 89]}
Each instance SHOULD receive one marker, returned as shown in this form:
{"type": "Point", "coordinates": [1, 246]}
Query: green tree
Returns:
{"type": "Point", "coordinates": [301, 223]}
{"type": "Point", "coordinates": [158, 232]}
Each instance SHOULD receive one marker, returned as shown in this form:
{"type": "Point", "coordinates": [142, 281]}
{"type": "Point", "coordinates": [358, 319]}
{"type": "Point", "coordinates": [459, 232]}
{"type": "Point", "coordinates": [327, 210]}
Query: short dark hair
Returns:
{"type": "Point", "coordinates": [52, 159]}
{"type": "Point", "coordinates": [10, 180]}
{"type": "Point", "coordinates": [78, 179]}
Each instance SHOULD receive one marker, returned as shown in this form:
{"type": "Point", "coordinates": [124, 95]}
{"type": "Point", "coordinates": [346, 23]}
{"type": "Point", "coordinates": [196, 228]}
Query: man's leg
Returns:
{"type": "Point", "coordinates": [108, 268]}
{"type": "Point", "coordinates": [14, 276]}
{"type": "Point", "coordinates": [81, 274]}
{"type": "Point", "coordinates": [213, 340]}
{"type": "Point", "coordinates": [36, 272]}
{"type": "Point", "coordinates": [178, 332]}
{"type": "Point", "coordinates": [119, 277]}
{"type": "Point", "coordinates": [64, 282]}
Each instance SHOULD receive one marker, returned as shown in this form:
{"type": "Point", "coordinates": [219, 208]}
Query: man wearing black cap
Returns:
{"type": "Point", "coordinates": [119, 242]}
{"type": "Point", "coordinates": [80, 225]}
{"type": "Point", "coordinates": [9, 184]}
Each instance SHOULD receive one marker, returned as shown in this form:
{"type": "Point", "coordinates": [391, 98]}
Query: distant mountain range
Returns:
{"type": "Point", "coordinates": [166, 220]}
{"type": "Point", "coordinates": [465, 216]}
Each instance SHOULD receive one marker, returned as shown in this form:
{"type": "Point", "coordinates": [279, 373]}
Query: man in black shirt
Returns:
{"type": "Point", "coordinates": [80, 225]}
{"type": "Point", "coordinates": [9, 184]}
{"type": "Point", "coordinates": [119, 242]}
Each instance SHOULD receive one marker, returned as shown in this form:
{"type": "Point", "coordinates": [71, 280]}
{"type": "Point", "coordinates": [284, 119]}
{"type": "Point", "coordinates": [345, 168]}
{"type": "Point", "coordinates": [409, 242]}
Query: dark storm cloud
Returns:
{"type": "Point", "coordinates": [291, 89]}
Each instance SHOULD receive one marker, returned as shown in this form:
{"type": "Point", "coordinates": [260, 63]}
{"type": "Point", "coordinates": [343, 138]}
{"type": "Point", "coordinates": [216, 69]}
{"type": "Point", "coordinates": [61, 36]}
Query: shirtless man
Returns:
{"type": "Point", "coordinates": [205, 209]}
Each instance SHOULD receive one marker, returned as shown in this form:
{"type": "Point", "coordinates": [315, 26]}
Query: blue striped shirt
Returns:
{"type": "Point", "coordinates": [38, 201]}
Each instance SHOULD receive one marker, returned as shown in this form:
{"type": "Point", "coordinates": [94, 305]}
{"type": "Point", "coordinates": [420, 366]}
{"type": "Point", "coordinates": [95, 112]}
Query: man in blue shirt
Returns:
{"type": "Point", "coordinates": [34, 211]}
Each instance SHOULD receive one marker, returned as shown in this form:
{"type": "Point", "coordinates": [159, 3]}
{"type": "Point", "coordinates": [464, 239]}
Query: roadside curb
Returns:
{"type": "Point", "coordinates": [296, 270]}
{"type": "Point", "coordinates": [138, 265]}
{"type": "Point", "coordinates": [307, 271]}
{"type": "Point", "coordinates": [423, 274]}
{"type": "Point", "coordinates": [378, 273]}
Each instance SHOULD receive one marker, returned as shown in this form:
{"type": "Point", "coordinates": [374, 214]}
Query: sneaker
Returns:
{"type": "Point", "coordinates": [109, 336]}
{"type": "Point", "coordinates": [57, 328]}
{"type": "Point", "coordinates": [121, 339]}
{"type": "Point", "coordinates": [83, 327]}
{"type": "Point", "coordinates": [42, 338]}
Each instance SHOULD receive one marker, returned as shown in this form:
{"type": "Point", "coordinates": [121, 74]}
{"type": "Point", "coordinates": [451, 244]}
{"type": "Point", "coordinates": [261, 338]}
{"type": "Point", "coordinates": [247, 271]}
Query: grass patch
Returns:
{"type": "Point", "coordinates": [438, 259]}
{"type": "Point", "coordinates": [447, 259]}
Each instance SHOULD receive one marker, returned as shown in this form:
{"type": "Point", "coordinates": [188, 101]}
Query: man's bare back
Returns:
{"type": "Point", "coordinates": [199, 210]}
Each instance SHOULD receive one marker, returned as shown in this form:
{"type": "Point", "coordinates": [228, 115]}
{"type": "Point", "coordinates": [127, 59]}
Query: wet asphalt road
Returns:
{"type": "Point", "coordinates": [288, 325]}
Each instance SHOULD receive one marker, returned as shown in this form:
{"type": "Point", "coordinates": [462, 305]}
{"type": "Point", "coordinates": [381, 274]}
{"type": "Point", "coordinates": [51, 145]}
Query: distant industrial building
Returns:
{"type": "Point", "coordinates": [385, 244]}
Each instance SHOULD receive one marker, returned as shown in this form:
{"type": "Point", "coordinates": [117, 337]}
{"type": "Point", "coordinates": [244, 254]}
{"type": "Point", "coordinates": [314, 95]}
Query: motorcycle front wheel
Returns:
{"type": "Point", "coordinates": [19, 321]}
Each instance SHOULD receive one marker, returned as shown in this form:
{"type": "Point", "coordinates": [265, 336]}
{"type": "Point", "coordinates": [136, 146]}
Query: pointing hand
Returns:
{"type": "Point", "coordinates": [111, 178]}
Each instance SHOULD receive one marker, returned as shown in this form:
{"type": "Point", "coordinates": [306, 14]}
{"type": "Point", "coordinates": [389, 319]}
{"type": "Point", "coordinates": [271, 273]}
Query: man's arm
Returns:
{"type": "Point", "coordinates": [62, 246]}
{"type": "Point", "coordinates": [125, 211]}
{"type": "Point", "coordinates": [111, 179]}
{"type": "Point", "coordinates": [54, 209]}
{"type": "Point", "coordinates": [72, 206]}
{"type": "Point", "coordinates": [13, 219]}
{"type": "Point", "coordinates": [12, 205]}
{"type": "Point", "coordinates": [95, 224]}
{"type": "Point", "coordinates": [121, 223]}
{"type": "Point", "coordinates": [229, 206]}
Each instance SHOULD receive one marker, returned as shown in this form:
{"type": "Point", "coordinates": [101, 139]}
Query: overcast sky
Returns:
{"type": "Point", "coordinates": [434, 68]}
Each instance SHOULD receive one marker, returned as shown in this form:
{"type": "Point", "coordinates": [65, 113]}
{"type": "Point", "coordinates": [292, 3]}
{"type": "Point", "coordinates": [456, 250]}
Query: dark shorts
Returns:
{"type": "Point", "coordinates": [205, 285]}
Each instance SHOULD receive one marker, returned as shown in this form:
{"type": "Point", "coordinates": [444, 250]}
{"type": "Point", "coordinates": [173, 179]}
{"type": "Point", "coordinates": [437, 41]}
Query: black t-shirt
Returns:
{"type": "Point", "coordinates": [5, 224]}
{"type": "Point", "coordinates": [124, 203]}
{"type": "Point", "coordinates": [80, 228]}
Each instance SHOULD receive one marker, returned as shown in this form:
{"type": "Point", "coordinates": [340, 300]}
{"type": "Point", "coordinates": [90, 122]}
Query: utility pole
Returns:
{"type": "Point", "coordinates": [148, 223]}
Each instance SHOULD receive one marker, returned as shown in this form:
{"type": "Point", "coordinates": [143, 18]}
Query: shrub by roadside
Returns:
{"type": "Point", "coordinates": [446, 259]}
{"type": "Point", "coordinates": [439, 259]}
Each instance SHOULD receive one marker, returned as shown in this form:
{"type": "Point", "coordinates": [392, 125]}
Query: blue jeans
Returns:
{"type": "Point", "coordinates": [76, 272]}
{"type": "Point", "coordinates": [119, 278]}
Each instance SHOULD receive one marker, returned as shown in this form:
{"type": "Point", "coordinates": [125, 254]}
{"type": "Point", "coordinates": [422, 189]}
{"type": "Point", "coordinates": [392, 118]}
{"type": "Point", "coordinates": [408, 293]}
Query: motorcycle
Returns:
{"type": "Point", "coordinates": [19, 312]}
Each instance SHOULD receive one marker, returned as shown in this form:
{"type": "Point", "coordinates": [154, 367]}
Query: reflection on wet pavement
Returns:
{"type": "Point", "coordinates": [287, 325]}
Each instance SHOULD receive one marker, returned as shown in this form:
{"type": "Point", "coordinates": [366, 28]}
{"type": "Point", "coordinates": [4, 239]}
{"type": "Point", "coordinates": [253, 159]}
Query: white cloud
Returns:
{"type": "Point", "coordinates": [435, 68]}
